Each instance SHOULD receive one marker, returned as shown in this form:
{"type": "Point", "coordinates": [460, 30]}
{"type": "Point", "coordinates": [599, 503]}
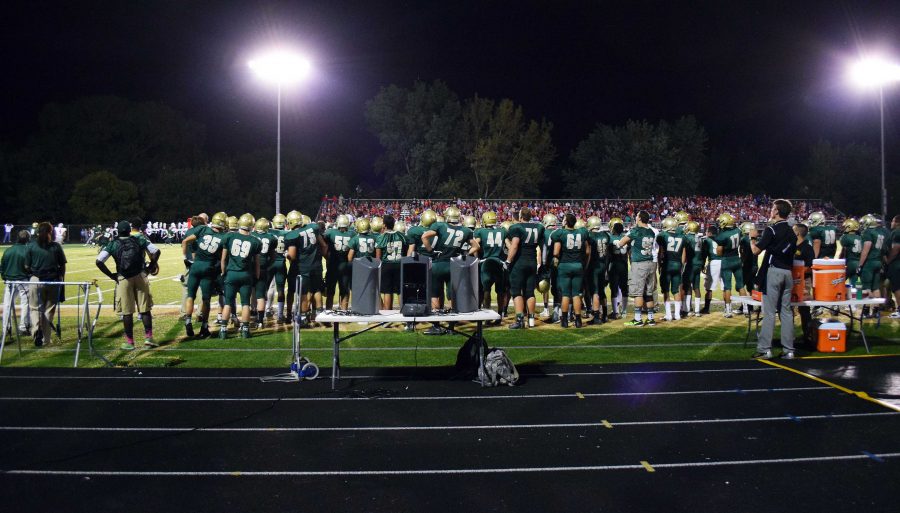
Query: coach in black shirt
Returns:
{"type": "Point", "coordinates": [779, 242]}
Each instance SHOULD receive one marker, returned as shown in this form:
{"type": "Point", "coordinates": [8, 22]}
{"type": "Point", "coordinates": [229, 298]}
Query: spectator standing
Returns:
{"type": "Point", "coordinates": [60, 234]}
{"type": "Point", "coordinates": [132, 284]}
{"type": "Point", "coordinates": [642, 275]}
{"type": "Point", "coordinates": [7, 234]}
{"type": "Point", "coordinates": [779, 242]}
{"type": "Point", "coordinates": [12, 268]}
{"type": "Point", "coordinates": [46, 262]}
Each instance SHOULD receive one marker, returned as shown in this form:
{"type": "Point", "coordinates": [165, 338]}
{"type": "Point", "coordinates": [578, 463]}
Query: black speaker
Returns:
{"type": "Point", "coordinates": [415, 286]}
{"type": "Point", "coordinates": [464, 281]}
{"type": "Point", "coordinates": [365, 298]}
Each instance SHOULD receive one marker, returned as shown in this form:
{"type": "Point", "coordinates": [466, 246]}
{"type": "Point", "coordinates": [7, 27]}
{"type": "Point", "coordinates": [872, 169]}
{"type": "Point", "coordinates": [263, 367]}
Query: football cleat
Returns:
{"type": "Point", "coordinates": [189, 329]}
{"type": "Point", "coordinates": [489, 218]}
{"type": "Point", "coordinates": [362, 226]}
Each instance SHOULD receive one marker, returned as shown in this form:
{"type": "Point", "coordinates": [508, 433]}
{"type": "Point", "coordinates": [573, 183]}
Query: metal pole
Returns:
{"type": "Point", "coordinates": [884, 207]}
{"type": "Point", "coordinates": [278, 163]}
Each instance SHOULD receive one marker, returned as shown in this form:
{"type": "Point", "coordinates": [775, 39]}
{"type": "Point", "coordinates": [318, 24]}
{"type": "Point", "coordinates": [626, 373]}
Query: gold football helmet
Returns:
{"type": "Point", "coordinates": [489, 218]}
{"type": "Point", "coordinates": [549, 220]}
{"type": "Point", "coordinates": [362, 225]}
{"type": "Point", "coordinates": [506, 225]}
{"type": "Point", "coordinates": [543, 286]}
{"type": "Point", "coordinates": [669, 224]}
{"type": "Point", "coordinates": [440, 219]}
{"type": "Point", "coordinates": [594, 223]}
{"type": "Point", "coordinates": [262, 225]}
{"type": "Point", "coordinates": [376, 224]}
{"type": "Point", "coordinates": [452, 215]}
{"type": "Point", "coordinates": [747, 227]}
{"type": "Point", "coordinates": [469, 222]}
{"type": "Point", "coordinates": [293, 218]}
{"type": "Point", "coordinates": [850, 225]}
{"type": "Point", "coordinates": [816, 219]}
{"type": "Point", "coordinates": [579, 223]}
{"type": "Point", "coordinates": [692, 227]}
{"type": "Point", "coordinates": [342, 221]}
{"type": "Point", "coordinates": [246, 222]}
{"type": "Point", "coordinates": [868, 221]}
{"type": "Point", "coordinates": [219, 220]}
{"type": "Point", "coordinates": [682, 217]}
{"type": "Point", "coordinates": [614, 221]}
{"type": "Point", "coordinates": [400, 227]}
{"type": "Point", "coordinates": [278, 221]}
{"type": "Point", "coordinates": [232, 222]}
{"type": "Point", "coordinates": [304, 220]}
{"type": "Point", "coordinates": [725, 220]}
{"type": "Point", "coordinates": [429, 217]}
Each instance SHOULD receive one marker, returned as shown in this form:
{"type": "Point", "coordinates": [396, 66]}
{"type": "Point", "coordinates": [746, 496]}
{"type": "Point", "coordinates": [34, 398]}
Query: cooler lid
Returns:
{"type": "Point", "coordinates": [839, 326]}
{"type": "Point", "coordinates": [830, 261]}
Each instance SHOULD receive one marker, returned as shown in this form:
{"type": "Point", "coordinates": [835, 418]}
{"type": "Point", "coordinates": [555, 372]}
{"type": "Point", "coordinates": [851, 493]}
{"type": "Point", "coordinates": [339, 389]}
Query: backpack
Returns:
{"type": "Point", "coordinates": [467, 358]}
{"type": "Point", "coordinates": [498, 369]}
{"type": "Point", "coordinates": [129, 257]}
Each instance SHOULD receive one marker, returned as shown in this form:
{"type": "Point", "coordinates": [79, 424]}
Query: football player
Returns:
{"type": "Point", "coordinates": [618, 268]}
{"type": "Point", "coordinates": [851, 248]}
{"type": "Point", "coordinates": [642, 275]}
{"type": "Point", "coordinates": [694, 261]}
{"type": "Point", "coordinates": [202, 260]}
{"type": "Point", "coordinates": [305, 247]}
{"type": "Point", "coordinates": [268, 243]}
{"type": "Point", "coordinates": [672, 256]}
{"type": "Point", "coordinates": [597, 269]}
{"type": "Point", "coordinates": [682, 218]}
{"type": "Point", "coordinates": [278, 267]}
{"type": "Point", "coordinates": [523, 261]}
{"type": "Point", "coordinates": [363, 243]}
{"type": "Point", "coordinates": [448, 241]}
{"type": "Point", "coordinates": [894, 265]}
{"type": "Point", "coordinates": [548, 272]}
{"type": "Point", "coordinates": [713, 268]}
{"type": "Point", "coordinates": [492, 241]}
{"type": "Point", "coordinates": [416, 246]}
{"type": "Point", "coordinates": [240, 269]}
{"type": "Point", "coordinates": [340, 271]}
{"type": "Point", "coordinates": [749, 261]}
{"type": "Point", "coordinates": [874, 244]}
{"type": "Point", "coordinates": [390, 248]}
{"type": "Point", "coordinates": [728, 242]}
{"type": "Point", "coordinates": [823, 237]}
{"type": "Point", "coordinates": [571, 255]}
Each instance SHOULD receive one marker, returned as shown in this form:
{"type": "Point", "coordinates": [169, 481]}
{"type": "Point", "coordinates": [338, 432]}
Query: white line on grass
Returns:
{"type": "Point", "coordinates": [781, 418]}
{"type": "Point", "coordinates": [415, 398]}
{"type": "Point", "coordinates": [419, 472]}
{"type": "Point", "coordinates": [547, 374]}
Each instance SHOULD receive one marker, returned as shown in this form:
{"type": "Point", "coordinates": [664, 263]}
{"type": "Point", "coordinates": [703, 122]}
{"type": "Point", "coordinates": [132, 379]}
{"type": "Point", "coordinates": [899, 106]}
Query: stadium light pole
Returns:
{"type": "Point", "coordinates": [877, 72]}
{"type": "Point", "coordinates": [283, 68]}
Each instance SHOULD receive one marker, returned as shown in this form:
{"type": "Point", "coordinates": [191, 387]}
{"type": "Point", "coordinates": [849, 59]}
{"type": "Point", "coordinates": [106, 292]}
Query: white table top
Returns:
{"type": "Point", "coordinates": [395, 316]}
{"type": "Point", "coordinates": [747, 300]}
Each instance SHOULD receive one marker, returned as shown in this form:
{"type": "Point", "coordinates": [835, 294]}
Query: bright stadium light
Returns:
{"type": "Point", "coordinates": [283, 68]}
{"type": "Point", "coordinates": [869, 73]}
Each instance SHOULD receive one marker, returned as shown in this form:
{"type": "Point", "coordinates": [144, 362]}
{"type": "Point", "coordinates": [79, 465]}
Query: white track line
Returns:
{"type": "Point", "coordinates": [781, 418]}
{"type": "Point", "coordinates": [413, 398]}
{"type": "Point", "coordinates": [548, 374]}
{"type": "Point", "coordinates": [419, 472]}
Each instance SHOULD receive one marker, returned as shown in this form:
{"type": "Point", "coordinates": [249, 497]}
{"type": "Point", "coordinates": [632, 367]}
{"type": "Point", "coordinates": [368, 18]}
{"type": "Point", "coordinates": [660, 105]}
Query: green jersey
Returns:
{"type": "Point", "coordinates": [12, 266]}
{"type": "Point", "coordinates": [305, 239]}
{"type": "Point", "coordinates": [827, 235]}
{"type": "Point", "coordinates": [696, 249]}
{"type": "Point", "coordinates": [392, 246]}
{"type": "Point", "coordinates": [449, 240]}
{"type": "Point", "coordinates": [746, 251]}
{"type": "Point", "coordinates": [852, 245]}
{"type": "Point", "coordinates": [895, 240]}
{"type": "Point", "coordinates": [338, 241]}
{"type": "Point", "coordinates": [618, 254]}
{"type": "Point", "coordinates": [573, 244]}
{"type": "Point", "coordinates": [601, 247]}
{"type": "Point", "coordinates": [414, 234]}
{"type": "Point", "coordinates": [363, 245]}
{"type": "Point", "coordinates": [492, 245]}
{"type": "Point", "coordinates": [730, 240]}
{"type": "Point", "coordinates": [268, 243]}
{"type": "Point", "coordinates": [709, 249]}
{"type": "Point", "coordinates": [242, 250]}
{"type": "Point", "coordinates": [675, 245]}
{"type": "Point", "coordinates": [279, 244]}
{"type": "Point", "coordinates": [879, 242]}
{"type": "Point", "coordinates": [192, 247]}
{"type": "Point", "coordinates": [641, 244]}
{"type": "Point", "coordinates": [531, 237]}
{"type": "Point", "coordinates": [209, 245]}
{"type": "Point", "coordinates": [44, 261]}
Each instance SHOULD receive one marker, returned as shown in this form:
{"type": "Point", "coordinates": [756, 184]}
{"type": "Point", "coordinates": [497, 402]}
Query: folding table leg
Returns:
{"type": "Point", "coordinates": [481, 350]}
{"type": "Point", "coordinates": [335, 358]}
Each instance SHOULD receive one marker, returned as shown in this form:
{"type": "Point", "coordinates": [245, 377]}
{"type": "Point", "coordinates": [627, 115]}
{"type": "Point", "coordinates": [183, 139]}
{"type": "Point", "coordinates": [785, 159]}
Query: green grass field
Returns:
{"type": "Point", "coordinates": [710, 337]}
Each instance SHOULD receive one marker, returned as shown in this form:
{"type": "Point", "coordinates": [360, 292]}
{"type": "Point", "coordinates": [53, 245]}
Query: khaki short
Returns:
{"type": "Point", "coordinates": [133, 292]}
{"type": "Point", "coordinates": [642, 279]}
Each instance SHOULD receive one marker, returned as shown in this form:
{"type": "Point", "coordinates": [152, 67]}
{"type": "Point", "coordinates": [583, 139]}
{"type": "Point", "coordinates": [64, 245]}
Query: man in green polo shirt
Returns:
{"type": "Point", "coordinates": [642, 274]}
{"type": "Point", "coordinates": [12, 268]}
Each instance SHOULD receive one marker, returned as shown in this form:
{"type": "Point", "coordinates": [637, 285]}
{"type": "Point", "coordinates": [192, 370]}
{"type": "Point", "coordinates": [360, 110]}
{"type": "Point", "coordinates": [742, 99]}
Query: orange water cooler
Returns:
{"type": "Point", "coordinates": [829, 279]}
{"type": "Point", "coordinates": [832, 337]}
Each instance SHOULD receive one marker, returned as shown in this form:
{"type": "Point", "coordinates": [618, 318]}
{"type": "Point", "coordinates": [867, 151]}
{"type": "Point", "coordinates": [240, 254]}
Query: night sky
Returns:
{"type": "Point", "coordinates": [763, 75]}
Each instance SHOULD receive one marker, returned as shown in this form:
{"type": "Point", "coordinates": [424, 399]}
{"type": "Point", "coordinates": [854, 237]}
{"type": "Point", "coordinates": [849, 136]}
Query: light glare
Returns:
{"type": "Point", "coordinates": [874, 72]}
{"type": "Point", "coordinates": [281, 67]}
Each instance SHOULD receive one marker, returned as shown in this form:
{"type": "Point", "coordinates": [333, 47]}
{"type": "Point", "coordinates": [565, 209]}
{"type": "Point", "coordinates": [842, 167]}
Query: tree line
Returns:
{"type": "Point", "coordinates": [104, 158]}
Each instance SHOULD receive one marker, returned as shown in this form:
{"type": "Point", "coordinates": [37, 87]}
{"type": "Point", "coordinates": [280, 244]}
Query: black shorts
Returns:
{"type": "Point", "coordinates": [390, 278]}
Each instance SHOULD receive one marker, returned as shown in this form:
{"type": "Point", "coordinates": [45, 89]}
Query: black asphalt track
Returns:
{"type": "Point", "coordinates": [709, 436]}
